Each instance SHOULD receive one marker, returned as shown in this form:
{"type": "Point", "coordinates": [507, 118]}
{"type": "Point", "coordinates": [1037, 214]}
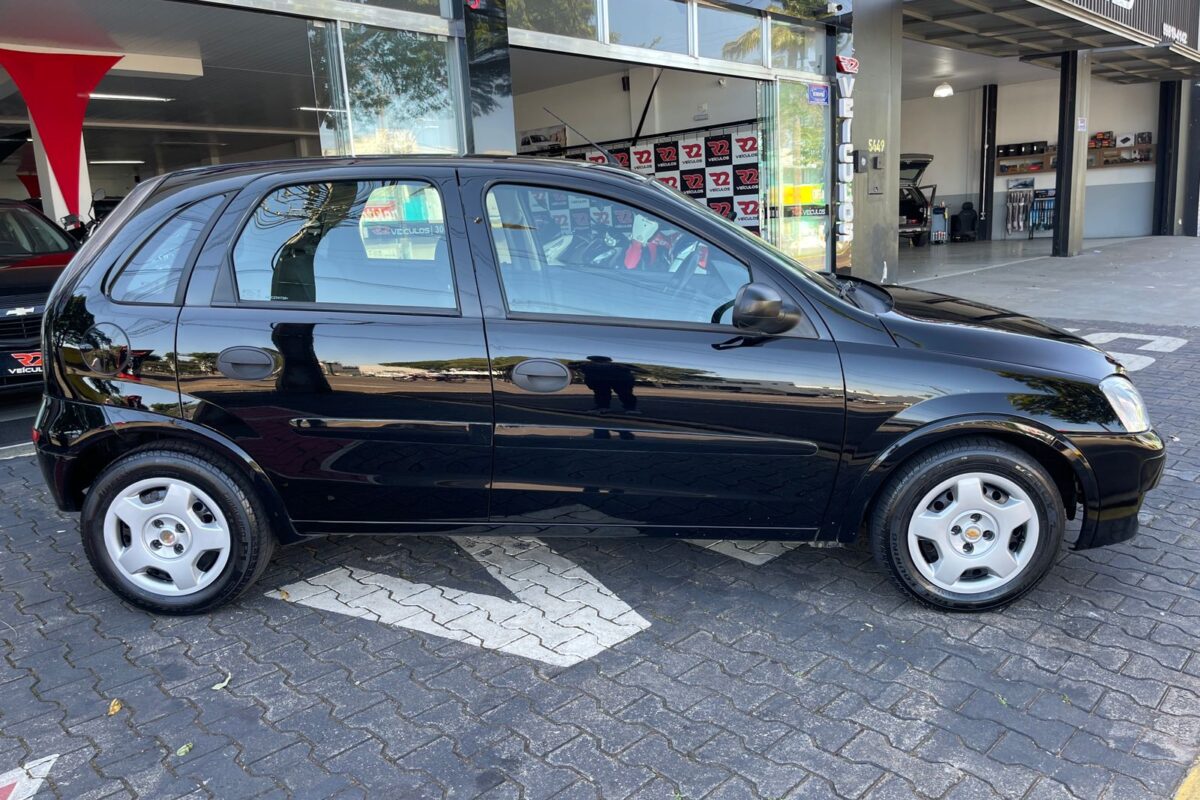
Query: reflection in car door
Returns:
{"type": "Point", "coordinates": [333, 331]}
{"type": "Point", "coordinates": [622, 404]}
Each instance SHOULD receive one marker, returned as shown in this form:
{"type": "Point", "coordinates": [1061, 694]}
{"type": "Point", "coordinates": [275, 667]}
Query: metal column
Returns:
{"type": "Point", "coordinates": [987, 161]}
{"type": "Point", "coordinates": [1074, 94]}
{"type": "Point", "coordinates": [1166, 156]}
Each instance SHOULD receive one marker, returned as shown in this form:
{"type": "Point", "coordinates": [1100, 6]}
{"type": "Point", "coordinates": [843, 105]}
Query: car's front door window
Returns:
{"type": "Point", "coordinates": [574, 254]}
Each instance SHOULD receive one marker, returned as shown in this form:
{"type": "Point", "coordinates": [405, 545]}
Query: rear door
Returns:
{"type": "Point", "coordinates": [624, 397]}
{"type": "Point", "coordinates": [333, 331]}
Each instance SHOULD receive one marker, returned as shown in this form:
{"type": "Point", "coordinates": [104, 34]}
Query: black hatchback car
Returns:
{"type": "Point", "coordinates": [254, 354]}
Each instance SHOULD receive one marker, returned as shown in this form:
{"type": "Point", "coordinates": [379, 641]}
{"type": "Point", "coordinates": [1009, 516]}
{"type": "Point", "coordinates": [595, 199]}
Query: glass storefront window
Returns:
{"type": "Point", "coordinates": [397, 96]}
{"type": "Point", "coordinates": [798, 194]}
{"type": "Point", "coordinates": [563, 17]}
{"type": "Point", "coordinates": [797, 47]}
{"type": "Point", "coordinates": [329, 100]}
{"type": "Point", "coordinates": [730, 35]}
{"type": "Point", "coordinates": [654, 24]}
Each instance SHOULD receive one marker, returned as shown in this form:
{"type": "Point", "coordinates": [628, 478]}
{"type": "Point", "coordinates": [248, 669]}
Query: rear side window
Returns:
{"type": "Point", "coordinates": [152, 275]}
{"type": "Point", "coordinates": [348, 243]}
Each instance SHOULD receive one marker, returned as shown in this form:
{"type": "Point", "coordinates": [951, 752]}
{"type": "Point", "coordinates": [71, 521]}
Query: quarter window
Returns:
{"type": "Point", "coordinates": [573, 254]}
{"type": "Point", "coordinates": [356, 243]}
{"type": "Point", "coordinates": [152, 275]}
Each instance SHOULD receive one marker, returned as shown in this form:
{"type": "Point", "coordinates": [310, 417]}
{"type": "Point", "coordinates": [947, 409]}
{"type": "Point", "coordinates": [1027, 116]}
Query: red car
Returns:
{"type": "Point", "coordinates": [33, 251]}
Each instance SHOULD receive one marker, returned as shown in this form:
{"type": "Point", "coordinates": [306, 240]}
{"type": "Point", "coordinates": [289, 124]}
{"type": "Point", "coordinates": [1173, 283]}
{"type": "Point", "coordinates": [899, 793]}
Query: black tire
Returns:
{"type": "Point", "coordinates": [919, 239]}
{"type": "Point", "coordinates": [898, 502]}
{"type": "Point", "coordinates": [252, 541]}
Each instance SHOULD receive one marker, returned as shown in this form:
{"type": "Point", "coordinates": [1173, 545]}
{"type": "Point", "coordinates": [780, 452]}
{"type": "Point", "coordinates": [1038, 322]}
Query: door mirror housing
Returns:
{"type": "Point", "coordinates": [763, 309]}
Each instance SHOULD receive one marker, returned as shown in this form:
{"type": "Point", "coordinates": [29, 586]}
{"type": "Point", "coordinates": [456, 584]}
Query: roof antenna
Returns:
{"type": "Point", "coordinates": [612, 161]}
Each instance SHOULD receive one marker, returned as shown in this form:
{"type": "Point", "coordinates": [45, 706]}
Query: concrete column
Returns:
{"type": "Point", "coordinates": [54, 205]}
{"type": "Point", "coordinates": [1070, 181]}
{"type": "Point", "coordinates": [878, 43]}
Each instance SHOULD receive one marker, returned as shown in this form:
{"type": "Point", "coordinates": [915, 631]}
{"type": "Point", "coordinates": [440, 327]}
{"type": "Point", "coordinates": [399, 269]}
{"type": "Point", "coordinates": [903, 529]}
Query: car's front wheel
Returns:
{"type": "Point", "coordinates": [175, 531]}
{"type": "Point", "coordinates": [969, 525]}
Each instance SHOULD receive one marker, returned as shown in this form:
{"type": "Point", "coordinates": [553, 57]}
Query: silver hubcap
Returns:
{"type": "Point", "coordinates": [973, 533]}
{"type": "Point", "coordinates": [166, 536]}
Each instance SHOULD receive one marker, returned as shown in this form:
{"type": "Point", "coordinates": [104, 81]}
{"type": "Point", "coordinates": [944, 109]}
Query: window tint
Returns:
{"type": "Point", "coordinates": [370, 243]}
{"type": "Point", "coordinates": [576, 254]}
{"type": "Point", "coordinates": [152, 275]}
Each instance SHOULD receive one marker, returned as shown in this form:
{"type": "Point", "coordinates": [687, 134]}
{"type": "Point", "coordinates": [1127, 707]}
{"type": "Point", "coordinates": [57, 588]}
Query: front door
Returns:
{"type": "Point", "coordinates": [343, 348]}
{"type": "Point", "coordinates": [624, 396]}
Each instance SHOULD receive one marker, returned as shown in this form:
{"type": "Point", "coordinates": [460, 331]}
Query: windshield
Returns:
{"type": "Point", "coordinates": [24, 233]}
{"type": "Point", "coordinates": [824, 281]}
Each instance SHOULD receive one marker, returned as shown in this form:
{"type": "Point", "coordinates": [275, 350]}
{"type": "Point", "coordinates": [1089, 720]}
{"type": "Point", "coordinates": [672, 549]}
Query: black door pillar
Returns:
{"type": "Point", "coordinates": [987, 161]}
{"type": "Point", "coordinates": [1166, 156]}
{"type": "Point", "coordinates": [1074, 94]}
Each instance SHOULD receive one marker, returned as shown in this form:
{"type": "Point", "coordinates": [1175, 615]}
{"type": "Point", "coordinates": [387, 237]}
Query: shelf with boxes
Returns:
{"type": "Point", "coordinates": [1104, 150]}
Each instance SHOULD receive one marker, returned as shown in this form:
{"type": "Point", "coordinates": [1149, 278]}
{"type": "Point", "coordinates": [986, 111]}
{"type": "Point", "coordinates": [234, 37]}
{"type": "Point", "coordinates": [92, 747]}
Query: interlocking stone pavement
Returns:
{"type": "Point", "coordinates": [805, 676]}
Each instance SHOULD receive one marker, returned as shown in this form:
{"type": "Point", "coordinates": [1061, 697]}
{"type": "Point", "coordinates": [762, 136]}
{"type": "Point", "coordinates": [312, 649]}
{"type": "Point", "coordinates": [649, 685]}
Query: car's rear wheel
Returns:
{"type": "Point", "coordinates": [175, 531]}
{"type": "Point", "coordinates": [969, 525]}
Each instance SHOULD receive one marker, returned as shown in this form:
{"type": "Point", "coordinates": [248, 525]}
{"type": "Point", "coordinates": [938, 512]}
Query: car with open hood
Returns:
{"type": "Point", "coordinates": [252, 355]}
{"type": "Point", "coordinates": [916, 199]}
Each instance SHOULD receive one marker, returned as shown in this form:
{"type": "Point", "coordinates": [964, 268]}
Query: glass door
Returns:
{"type": "Point", "coordinates": [797, 127]}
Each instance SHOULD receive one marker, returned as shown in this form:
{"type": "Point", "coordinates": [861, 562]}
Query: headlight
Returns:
{"type": "Point", "coordinates": [1126, 402]}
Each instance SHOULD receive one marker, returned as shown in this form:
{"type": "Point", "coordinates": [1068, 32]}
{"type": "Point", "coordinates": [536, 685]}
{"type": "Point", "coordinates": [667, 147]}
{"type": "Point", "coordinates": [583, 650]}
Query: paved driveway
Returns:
{"type": "Point", "coordinates": [658, 669]}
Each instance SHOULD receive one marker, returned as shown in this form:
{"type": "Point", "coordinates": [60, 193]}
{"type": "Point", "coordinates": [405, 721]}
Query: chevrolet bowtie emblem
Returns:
{"type": "Point", "coordinates": [20, 312]}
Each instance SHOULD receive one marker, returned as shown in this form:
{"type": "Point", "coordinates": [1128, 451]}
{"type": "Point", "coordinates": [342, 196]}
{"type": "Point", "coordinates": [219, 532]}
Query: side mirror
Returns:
{"type": "Point", "coordinates": [762, 309]}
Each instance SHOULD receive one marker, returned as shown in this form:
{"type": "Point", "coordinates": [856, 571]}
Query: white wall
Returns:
{"type": "Point", "coordinates": [1028, 112]}
{"type": "Point", "coordinates": [948, 129]}
{"type": "Point", "coordinates": [1116, 201]}
{"type": "Point", "coordinates": [601, 109]}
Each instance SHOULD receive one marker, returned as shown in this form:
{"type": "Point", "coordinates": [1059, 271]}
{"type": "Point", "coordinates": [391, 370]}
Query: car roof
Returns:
{"type": "Point", "coordinates": [253, 169]}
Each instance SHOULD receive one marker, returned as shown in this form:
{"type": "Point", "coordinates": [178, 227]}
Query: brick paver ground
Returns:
{"type": "Point", "coordinates": [807, 676]}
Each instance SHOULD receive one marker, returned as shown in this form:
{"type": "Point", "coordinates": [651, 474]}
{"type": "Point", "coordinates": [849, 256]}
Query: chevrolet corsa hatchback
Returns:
{"type": "Point", "coordinates": [251, 355]}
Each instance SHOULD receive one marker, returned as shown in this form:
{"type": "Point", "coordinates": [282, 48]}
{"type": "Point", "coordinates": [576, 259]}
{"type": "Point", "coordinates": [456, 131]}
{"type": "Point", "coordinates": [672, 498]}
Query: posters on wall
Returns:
{"type": "Point", "coordinates": [719, 167]}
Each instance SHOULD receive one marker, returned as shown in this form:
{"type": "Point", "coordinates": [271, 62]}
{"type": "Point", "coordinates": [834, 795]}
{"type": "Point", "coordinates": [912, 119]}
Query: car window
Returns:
{"type": "Point", "coordinates": [24, 233]}
{"type": "Point", "coordinates": [359, 243]}
{"type": "Point", "coordinates": [153, 273]}
{"type": "Point", "coordinates": [576, 254]}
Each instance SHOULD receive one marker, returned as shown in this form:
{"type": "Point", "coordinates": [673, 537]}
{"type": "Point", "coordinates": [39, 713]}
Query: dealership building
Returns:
{"type": "Point", "coordinates": [1054, 120]}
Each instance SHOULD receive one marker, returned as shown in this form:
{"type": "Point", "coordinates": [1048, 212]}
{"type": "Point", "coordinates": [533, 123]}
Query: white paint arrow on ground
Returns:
{"type": "Point", "coordinates": [562, 615]}
{"type": "Point", "coordinates": [23, 782]}
{"type": "Point", "coordinates": [1135, 361]}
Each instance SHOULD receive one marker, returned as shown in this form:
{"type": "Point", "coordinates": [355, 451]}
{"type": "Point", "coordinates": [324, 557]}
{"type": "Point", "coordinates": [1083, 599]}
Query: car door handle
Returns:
{"type": "Point", "coordinates": [246, 363]}
{"type": "Point", "coordinates": [541, 375]}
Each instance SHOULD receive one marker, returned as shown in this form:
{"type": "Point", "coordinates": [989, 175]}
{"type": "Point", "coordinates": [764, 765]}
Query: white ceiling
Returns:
{"type": "Point", "coordinates": [533, 70]}
{"type": "Point", "coordinates": [926, 65]}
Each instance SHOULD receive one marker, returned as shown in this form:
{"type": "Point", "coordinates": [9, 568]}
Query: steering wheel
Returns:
{"type": "Point", "coordinates": [606, 249]}
{"type": "Point", "coordinates": [689, 259]}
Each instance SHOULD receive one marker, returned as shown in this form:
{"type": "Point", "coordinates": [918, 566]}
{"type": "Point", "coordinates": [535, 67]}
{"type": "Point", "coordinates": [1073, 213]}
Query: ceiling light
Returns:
{"type": "Point", "coordinates": [322, 110]}
{"type": "Point", "coordinates": [118, 161]}
{"type": "Point", "coordinates": [943, 90]}
{"type": "Point", "coordinates": [140, 98]}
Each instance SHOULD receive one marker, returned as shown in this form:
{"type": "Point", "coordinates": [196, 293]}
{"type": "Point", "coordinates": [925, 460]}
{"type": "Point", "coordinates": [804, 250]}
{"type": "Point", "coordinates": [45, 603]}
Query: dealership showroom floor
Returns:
{"type": "Point", "coordinates": [758, 670]}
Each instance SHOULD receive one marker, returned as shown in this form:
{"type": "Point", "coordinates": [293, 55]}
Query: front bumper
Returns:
{"type": "Point", "coordinates": [1121, 469]}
